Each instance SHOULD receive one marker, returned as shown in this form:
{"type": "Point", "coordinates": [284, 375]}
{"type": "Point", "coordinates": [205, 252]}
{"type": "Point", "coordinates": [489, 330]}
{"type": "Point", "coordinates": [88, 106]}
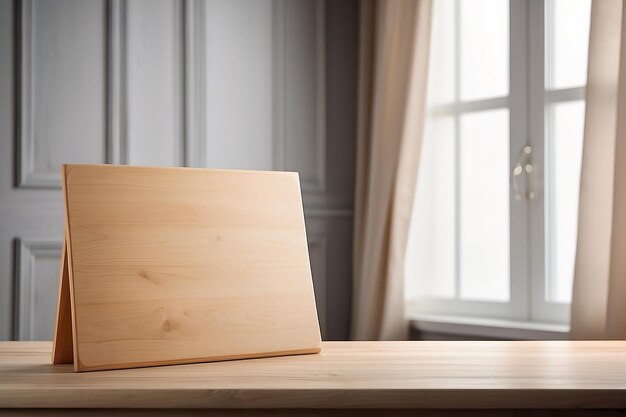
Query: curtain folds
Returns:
{"type": "Point", "coordinates": [599, 293]}
{"type": "Point", "coordinates": [394, 47]}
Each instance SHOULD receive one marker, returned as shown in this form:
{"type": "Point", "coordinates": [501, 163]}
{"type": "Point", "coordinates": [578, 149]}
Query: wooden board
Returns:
{"type": "Point", "coordinates": [181, 265]}
{"type": "Point", "coordinates": [346, 375]}
{"type": "Point", "coordinates": [63, 348]}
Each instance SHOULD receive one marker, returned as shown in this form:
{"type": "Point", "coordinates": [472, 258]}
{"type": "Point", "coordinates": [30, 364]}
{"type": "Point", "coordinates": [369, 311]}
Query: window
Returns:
{"type": "Point", "coordinates": [495, 216]}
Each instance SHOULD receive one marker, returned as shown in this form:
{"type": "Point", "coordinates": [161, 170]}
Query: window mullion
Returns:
{"type": "Point", "coordinates": [536, 123]}
{"type": "Point", "coordinates": [519, 138]}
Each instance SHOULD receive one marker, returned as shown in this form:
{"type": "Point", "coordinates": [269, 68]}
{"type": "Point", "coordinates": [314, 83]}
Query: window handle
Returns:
{"type": "Point", "coordinates": [523, 168]}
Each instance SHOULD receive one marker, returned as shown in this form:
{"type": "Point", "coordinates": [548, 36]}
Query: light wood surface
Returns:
{"type": "Point", "coordinates": [180, 265]}
{"type": "Point", "coordinates": [380, 375]}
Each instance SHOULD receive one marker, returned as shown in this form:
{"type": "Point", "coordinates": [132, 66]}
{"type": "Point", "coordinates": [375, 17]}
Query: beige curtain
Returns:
{"type": "Point", "coordinates": [599, 296]}
{"type": "Point", "coordinates": [394, 45]}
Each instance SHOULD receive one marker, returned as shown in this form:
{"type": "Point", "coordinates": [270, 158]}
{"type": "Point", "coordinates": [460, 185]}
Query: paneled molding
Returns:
{"type": "Point", "coordinates": [27, 252]}
{"type": "Point", "coordinates": [181, 110]}
{"type": "Point", "coordinates": [119, 79]}
{"type": "Point", "coordinates": [117, 82]}
{"type": "Point", "coordinates": [195, 85]}
{"type": "Point", "coordinates": [316, 183]}
{"type": "Point", "coordinates": [27, 176]}
{"type": "Point", "coordinates": [317, 254]}
{"type": "Point", "coordinates": [193, 107]}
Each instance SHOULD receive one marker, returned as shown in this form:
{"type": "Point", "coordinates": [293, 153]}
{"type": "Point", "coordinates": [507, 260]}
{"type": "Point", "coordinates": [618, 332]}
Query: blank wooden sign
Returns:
{"type": "Point", "coordinates": [181, 265]}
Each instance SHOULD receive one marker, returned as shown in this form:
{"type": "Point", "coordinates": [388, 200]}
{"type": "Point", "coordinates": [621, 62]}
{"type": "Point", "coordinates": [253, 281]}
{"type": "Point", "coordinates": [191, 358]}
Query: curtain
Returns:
{"type": "Point", "coordinates": [599, 292]}
{"type": "Point", "coordinates": [393, 63]}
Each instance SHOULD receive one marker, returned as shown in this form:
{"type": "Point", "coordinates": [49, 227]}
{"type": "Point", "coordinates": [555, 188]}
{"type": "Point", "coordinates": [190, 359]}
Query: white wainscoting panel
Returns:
{"type": "Point", "coordinates": [299, 90]}
{"type": "Point", "coordinates": [238, 84]}
{"type": "Point", "coordinates": [61, 95]}
{"type": "Point", "coordinates": [331, 261]}
{"type": "Point", "coordinates": [317, 256]}
{"type": "Point", "coordinates": [155, 82]}
{"type": "Point", "coordinates": [36, 284]}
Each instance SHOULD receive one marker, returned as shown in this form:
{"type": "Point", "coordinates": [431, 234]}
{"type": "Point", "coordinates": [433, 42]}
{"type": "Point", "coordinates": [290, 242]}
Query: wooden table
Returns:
{"type": "Point", "coordinates": [378, 378]}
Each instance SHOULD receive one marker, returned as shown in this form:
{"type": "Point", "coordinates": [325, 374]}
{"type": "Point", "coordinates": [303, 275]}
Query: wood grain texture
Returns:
{"type": "Point", "coordinates": [307, 413]}
{"type": "Point", "coordinates": [180, 265]}
{"type": "Point", "coordinates": [346, 375]}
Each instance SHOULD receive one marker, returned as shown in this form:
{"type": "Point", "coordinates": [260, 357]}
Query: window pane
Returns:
{"type": "Point", "coordinates": [441, 82]}
{"type": "Point", "coordinates": [484, 205]}
{"type": "Point", "coordinates": [484, 48]}
{"type": "Point", "coordinates": [430, 263]}
{"type": "Point", "coordinates": [567, 42]}
{"type": "Point", "coordinates": [564, 151]}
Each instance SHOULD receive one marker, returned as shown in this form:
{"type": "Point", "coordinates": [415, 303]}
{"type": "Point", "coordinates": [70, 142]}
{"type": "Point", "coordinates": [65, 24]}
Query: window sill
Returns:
{"type": "Point", "coordinates": [489, 328]}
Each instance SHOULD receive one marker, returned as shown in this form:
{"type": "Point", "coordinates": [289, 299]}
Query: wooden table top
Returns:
{"type": "Point", "coordinates": [433, 375]}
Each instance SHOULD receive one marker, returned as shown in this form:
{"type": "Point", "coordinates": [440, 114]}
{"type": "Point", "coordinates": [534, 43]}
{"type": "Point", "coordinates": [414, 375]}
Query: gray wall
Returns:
{"type": "Point", "coordinates": [253, 84]}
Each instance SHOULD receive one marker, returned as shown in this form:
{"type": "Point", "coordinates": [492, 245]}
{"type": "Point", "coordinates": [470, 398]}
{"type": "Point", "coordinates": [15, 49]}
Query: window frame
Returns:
{"type": "Point", "coordinates": [541, 309]}
{"type": "Point", "coordinates": [527, 103]}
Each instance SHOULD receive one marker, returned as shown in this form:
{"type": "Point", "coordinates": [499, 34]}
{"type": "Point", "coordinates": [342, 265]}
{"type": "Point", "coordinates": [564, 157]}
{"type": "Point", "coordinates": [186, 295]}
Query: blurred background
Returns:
{"type": "Point", "coordinates": [461, 161]}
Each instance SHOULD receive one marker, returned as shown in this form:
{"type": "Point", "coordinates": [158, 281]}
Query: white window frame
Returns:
{"type": "Point", "coordinates": [526, 102]}
{"type": "Point", "coordinates": [539, 98]}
